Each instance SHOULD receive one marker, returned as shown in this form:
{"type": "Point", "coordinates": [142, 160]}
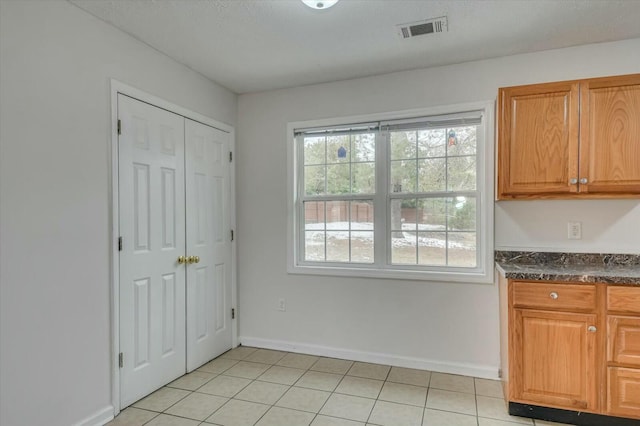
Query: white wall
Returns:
{"type": "Point", "coordinates": [56, 62]}
{"type": "Point", "coordinates": [446, 326]}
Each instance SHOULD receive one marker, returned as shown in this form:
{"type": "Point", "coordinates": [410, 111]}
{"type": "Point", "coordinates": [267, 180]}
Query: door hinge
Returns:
{"type": "Point", "coordinates": [233, 313]}
{"type": "Point", "coordinates": [121, 360]}
{"type": "Point", "coordinates": [119, 127]}
{"type": "Point", "coordinates": [119, 243]}
{"type": "Point", "coordinates": [230, 156]}
{"type": "Point", "coordinates": [232, 236]}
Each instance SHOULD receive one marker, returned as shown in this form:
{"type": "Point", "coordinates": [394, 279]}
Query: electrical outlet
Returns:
{"type": "Point", "coordinates": [574, 230]}
{"type": "Point", "coordinates": [282, 305]}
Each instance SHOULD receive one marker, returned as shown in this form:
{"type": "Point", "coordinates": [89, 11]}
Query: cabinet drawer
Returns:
{"type": "Point", "coordinates": [623, 398]}
{"type": "Point", "coordinates": [624, 340]}
{"type": "Point", "coordinates": [554, 296]}
{"type": "Point", "coordinates": [623, 299]}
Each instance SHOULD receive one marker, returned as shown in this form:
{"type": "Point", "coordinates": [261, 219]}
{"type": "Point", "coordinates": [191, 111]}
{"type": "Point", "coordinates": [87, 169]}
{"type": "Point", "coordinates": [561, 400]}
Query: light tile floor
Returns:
{"type": "Point", "coordinates": [249, 386]}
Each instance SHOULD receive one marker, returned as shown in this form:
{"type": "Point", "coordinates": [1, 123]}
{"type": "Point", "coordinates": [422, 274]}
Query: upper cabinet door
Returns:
{"type": "Point", "coordinates": [538, 140]}
{"type": "Point", "coordinates": [610, 135]}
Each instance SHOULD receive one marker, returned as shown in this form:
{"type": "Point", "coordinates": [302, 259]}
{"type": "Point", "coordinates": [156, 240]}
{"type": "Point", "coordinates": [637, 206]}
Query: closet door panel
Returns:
{"type": "Point", "coordinates": [208, 243]}
{"type": "Point", "coordinates": [152, 226]}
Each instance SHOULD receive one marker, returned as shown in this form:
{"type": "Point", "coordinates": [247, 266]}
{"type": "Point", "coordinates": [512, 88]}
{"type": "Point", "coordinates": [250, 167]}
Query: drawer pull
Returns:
{"type": "Point", "coordinates": [553, 295]}
{"type": "Point", "coordinates": [592, 329]}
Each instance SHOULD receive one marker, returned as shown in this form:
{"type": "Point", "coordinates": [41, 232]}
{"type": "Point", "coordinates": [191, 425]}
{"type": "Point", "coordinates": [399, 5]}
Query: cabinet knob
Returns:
{"type": "Point", "coordinates": [573, 181]}
{"type": "Point", "coordinates": [553, 295]}
{"type": "Point", "coordinates": [592, 329]}
{"type": "Point", "coordinates": [584, 181]}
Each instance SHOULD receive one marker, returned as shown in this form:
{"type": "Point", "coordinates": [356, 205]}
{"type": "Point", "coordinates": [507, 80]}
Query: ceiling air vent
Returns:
{"type": "Point", "coordinates": [429, 26]}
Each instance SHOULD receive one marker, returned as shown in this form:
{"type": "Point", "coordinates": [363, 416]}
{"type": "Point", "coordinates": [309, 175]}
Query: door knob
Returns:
{"type": "Point", "coordinates": [182, 259]}
{"type": "Point", "coordinates": [193, 259]}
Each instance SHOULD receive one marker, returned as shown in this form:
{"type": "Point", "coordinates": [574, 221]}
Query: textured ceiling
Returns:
{"type": "Point", "coordinates": [258, 45]}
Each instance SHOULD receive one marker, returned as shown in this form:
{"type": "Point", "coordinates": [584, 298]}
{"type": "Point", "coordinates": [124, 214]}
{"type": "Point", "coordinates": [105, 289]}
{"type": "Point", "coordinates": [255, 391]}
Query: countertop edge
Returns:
{"type": "Point", "coordinates": [551, 273]}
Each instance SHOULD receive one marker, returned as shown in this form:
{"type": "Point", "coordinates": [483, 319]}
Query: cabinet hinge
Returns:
{"type": "Point", "coordinates": [233, 313]}
{"type": "Point", "coordinates": [232, 235]}
{"type": "Point", "coordinates": [121, 360]}
{"type": "Point", "coordinates": [119, 127]}
{"type": "Point", "coordinates": [230, 156]}
{"type": "Point", "coordinates": [119, 243]}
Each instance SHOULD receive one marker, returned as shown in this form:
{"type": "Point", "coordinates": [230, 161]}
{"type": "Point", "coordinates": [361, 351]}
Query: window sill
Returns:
{"type": "Point", "coordinates": [471, 277]}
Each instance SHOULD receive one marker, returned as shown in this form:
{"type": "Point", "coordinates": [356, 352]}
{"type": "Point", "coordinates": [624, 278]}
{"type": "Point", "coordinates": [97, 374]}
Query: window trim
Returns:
{"type": "Point", "coordinates": [485, 206]}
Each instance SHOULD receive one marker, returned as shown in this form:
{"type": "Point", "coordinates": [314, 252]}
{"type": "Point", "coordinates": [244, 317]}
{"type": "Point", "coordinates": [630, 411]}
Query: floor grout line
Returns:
{"type": "Point", "coordinates": [363, 374]}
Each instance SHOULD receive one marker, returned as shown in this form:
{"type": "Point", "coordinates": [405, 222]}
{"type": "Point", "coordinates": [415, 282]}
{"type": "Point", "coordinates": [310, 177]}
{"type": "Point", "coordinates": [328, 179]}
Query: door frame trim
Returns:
{"type": "Point", "coordinates": [117, 88]}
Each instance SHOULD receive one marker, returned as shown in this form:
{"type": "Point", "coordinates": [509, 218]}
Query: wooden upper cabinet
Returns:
{"type": "Point", "coordinates": [538, 139]}
{"type": "Point", "coordinates": [574, 139]}
{"type": "Point", "coordinates": [610, 134]}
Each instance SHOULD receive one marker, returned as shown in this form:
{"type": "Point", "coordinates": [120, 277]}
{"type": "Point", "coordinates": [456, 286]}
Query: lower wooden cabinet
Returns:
{"type": "Point", "coordinates": [572, 346]}
{"type": "Point", "coordinates": [623, 344]}
{"type": "Point", "coordinates": [623, 396]}
{"type": "Point", "coordinates": [623, 351]}
{"type": "Point", "coordinates": [555, 359]}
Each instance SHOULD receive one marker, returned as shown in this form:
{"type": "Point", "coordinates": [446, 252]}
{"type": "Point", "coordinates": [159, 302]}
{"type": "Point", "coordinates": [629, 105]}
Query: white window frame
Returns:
{"type": "Point", "coordinates": [382, 268]}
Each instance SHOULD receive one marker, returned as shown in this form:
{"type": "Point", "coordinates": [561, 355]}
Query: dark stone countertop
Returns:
{"type": "Point", "coordinates": [576, 267]}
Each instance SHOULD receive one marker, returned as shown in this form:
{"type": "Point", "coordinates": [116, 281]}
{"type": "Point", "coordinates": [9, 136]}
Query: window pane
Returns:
{"type": "Point", "coordinates": [364, 147]}
{"type": "Point", "coordinates": [432, 176]}
{"type": "Point", "coordinates": [403, 176]}
{"type": "Point", "coordinates": [463, 141]}
{"type": "Point", "coordinates": [396, 214]}
{"type": "Point", "coordinates": [337, 231]}
{"type": "Point", "coordinates": [362, 215]}
{"type": "Point", "coordinates": [338, 215]}
{"type": "Point", "coordinates": [432, 143]}
{"type": "Point", "coordinates": [403, 145]}
{"type": "Point", "coordinates": [338, 179]}
{"type": "Point", "coordinates": [411, 212]}
{"type": "Point", "coordinates": [338, 149]}
{"type": "Point", "coordinates": [434, 215]}
{"type": "Point", "coordinates": [461, 173]}
{"type": "Point", "coordinates": [314, 226]}
{"type": "Point", "coordinates": [314, 150]}
{"type": "Point", "coordinates": [462, 214]}
{"type": "Point", "coordinates": [462, 249]}
{"type": "Point", "coordinates": [362, 246]}
{"type": "Point", "coordinates": [314, 180]}
{"type": "Point", "coordinates": [337, 246]}
{"type": "Point", "coordinates": [363, 178]}
{"type": "Point", "coordinates": [314, 246]}
{"type": "Point", "coordinates": [314, 215]}
{"type": "Point", "coordinates": [432, 248]}
{"type": "Point", "coordinates": [403, 248]}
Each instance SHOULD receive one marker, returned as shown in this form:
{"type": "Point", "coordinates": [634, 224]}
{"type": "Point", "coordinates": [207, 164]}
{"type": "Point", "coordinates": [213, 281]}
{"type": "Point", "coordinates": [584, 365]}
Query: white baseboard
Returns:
{"type": "Point", "coordinates": [474, 370]}
{"type": "Point", "coordinates": [100, 418]}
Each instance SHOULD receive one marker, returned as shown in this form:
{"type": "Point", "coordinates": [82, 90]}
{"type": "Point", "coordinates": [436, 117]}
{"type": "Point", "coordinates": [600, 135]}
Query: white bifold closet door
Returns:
{"type": "Point", "coordinates": [173, 201]}
{"type": "Point", "coordinates": [208, 238]}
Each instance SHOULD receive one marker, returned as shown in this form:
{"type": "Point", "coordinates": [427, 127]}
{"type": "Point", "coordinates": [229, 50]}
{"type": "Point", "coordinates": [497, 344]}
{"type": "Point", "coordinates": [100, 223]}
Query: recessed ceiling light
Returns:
{"type": "Point", "coordinates": [320, 4]}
